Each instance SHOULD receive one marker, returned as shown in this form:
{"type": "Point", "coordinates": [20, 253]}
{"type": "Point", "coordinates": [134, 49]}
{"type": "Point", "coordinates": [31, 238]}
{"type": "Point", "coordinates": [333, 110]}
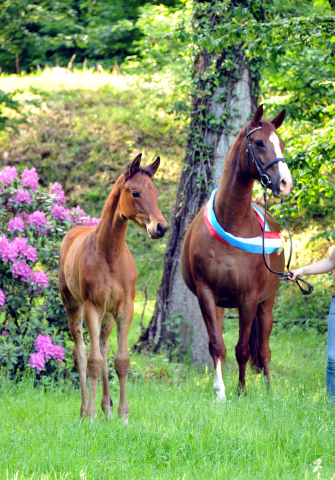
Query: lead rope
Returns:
{"type": "Point", "coordinates": [282, 275]}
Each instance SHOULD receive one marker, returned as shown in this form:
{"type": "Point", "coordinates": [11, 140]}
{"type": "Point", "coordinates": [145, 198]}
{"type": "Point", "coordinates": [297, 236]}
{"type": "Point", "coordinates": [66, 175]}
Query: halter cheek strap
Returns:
{"type": "Point", "coordinates": [264, 179]}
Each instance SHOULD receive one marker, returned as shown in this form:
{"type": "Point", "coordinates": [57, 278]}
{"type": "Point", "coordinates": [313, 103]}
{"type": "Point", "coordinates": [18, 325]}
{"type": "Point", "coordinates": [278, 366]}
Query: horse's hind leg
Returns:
{"type": "Point", "coordinates": [218, 386]}
{"type": "Point", "coordinates": [242, 350]}
{"type": "Point", "coordinates": [213, 317]}
{"type": "Point", "coordinates": [265, 322]}
{"type": "Point", "coordinates": [106, 328]}
{"type": "Point", "coordinates": [79, 352]}
{"type": "Point", "coordinates": [93, 317]}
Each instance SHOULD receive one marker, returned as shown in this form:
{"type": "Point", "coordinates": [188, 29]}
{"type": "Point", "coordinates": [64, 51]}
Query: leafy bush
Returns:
{"type": "Point", "coordinates": [33, 221]}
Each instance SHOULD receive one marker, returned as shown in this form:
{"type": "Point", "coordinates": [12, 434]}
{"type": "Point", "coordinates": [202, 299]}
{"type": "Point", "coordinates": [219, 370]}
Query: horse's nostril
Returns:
{"type": "Point", "coordinates": [160, 229]}
{"type": "Point", "coordinates": [283, 183]}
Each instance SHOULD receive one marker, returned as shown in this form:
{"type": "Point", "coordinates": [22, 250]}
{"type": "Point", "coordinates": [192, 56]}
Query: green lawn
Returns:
{"type": "Point", "coordinates": [176, 429]}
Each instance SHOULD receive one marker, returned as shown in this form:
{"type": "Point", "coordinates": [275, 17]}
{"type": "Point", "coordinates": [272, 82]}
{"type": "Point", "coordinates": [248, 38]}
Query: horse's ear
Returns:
{"type": "Point", "coordinates": [257, 117]}
{"type": "Point", "coordinates": [278, 120]}
{"type": "Point", "coordinates": [153, 167]}
{"type": "Point", "coordinates": [135, 164]}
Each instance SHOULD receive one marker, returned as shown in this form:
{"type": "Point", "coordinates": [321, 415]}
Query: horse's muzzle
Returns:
{"type": "Point", "coordinates": [157, 231]}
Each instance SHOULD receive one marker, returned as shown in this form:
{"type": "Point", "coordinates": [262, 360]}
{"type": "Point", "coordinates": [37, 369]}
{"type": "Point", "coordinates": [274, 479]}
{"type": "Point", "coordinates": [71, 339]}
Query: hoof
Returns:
{"type": "Point", "coordinates": [221, 398]}
{"type": "Point", "coordinates": [90, 416]}
{"type": "Point", "coordinates": [125, 418]}
{"type": "Point", "coordinates": [109, 415]}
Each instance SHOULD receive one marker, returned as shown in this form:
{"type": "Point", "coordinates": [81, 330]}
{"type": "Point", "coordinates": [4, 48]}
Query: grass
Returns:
{"type": "Point", "coordinates": [176, 429]}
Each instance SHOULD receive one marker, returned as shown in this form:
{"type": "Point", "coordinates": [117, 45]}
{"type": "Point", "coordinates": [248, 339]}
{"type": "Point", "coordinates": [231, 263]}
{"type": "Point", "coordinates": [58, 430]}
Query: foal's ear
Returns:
{"type": "Point", "coordinates": [153, 167]}
{"type": "Point", "coordinates": [135, 165]}
{"type": "Point", "coordinates": [278, 120]}
{"type": "Point", "coordinates": [257, 117]}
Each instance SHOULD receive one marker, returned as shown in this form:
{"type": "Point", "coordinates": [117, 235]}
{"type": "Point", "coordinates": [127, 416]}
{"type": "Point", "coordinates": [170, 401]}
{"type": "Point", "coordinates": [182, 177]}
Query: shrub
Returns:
{"type": "Point", "coordinates": [33, 222]}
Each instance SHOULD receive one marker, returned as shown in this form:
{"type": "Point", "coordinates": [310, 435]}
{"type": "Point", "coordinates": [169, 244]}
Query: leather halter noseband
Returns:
{"type": "Point", "coordinates": [264, 179]}
{"type": "Point", "coordinates": [266, 182]}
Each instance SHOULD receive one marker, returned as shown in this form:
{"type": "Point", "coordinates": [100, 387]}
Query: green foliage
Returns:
{"type": "Point", "coordinates": [46, 32]}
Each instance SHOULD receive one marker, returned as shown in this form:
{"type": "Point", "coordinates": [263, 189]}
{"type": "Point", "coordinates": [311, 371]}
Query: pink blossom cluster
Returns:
{"type": "Point", "coordinates": [58, 212]}
{"type": "Point", "coordinates": [22, 196]}
{"type": "Point", "coordinates": [2, 298]}
{"type": "Point", "coordinates": [29, 178]}
{"type": "Point", "coordinates": [37, 218]}
{"type": "Point", "coordinates": [76, 215]}
{"type": "Point", "coordinates": [16, 224]}
{"type": "Point", "coordinates": [7, 175]}
{"type": "Point", "coordinates": [46, 349]}
{"type": "Point", "coordinates": [39, 278]}
{"type": "Point", "coordinates": [21, 270]}
{"type": "Point", "coordinates": [91, 222]}
{"type": "Point", "coordinates": [57, 189]}
{"type": "Point", "coordinates": [18, 247]}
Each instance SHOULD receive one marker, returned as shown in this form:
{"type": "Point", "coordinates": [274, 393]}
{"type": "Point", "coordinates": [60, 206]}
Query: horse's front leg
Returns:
{"type": "Point", "coordinates": [265, 322]}
{"type": "Point", "coordinates": [121, 359]}
{"type": "Point", "coordinates": [247, 314]}
{"type": "Point", "coordinates": [105, 331]}
{"type": "Point", "coordinates": [213, 317]}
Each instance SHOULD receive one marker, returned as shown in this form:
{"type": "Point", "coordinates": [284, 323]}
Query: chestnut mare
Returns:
{"type": "Point", "coordinates": [97, 277]}
{"type": "Point", "coordinates": [223, 276]}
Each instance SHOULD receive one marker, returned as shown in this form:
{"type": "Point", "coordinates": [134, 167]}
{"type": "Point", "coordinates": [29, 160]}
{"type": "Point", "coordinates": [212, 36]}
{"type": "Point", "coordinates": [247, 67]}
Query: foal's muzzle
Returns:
{"type": "Point", "coordinates": [157, 230]}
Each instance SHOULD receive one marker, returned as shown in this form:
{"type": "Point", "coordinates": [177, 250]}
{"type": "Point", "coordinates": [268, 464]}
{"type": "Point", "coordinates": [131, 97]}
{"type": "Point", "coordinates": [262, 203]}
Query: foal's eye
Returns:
{"type": "Point", "coordinates": [259, 143]}
{"type": "Point", "coordinates": [135, 194]}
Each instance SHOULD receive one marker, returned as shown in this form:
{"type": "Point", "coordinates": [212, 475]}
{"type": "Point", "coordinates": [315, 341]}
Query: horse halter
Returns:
{"type": "Point", "coordinates": [264, 179]}
{"type": "Point", "coordinates": [266, 182]}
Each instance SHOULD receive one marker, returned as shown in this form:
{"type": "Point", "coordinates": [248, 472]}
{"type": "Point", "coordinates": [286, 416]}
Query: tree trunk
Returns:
{"type": "Point", "coordinates": [224, 98]}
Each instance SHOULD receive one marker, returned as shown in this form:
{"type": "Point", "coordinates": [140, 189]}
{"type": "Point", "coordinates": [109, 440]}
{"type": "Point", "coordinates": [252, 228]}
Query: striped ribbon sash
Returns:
{"type": "Point", "coordinates": [273, 240]}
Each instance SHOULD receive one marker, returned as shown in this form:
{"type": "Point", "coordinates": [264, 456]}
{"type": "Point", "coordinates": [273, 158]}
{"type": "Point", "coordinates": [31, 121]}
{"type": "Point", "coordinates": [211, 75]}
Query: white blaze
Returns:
{"type": "Point", "coordinates": [284, 171]}
{"type": "Point", "coordinates": [218, 386]}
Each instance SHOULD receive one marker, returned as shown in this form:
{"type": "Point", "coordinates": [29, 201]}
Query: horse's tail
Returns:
{"type": "Point", "coordinates": [253, 345]}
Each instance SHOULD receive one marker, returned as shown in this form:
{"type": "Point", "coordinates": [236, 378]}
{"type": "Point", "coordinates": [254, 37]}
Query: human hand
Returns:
{"type": "Point", "coordinates": [298, 272]}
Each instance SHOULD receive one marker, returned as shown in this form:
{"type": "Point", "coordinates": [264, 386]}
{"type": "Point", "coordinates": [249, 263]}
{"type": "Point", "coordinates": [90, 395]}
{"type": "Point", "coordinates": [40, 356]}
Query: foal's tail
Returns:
{"type": "Point", "coordinates": [253, 345]}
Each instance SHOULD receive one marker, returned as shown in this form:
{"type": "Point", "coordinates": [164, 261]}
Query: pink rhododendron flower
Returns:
{"type": "Point", "coordinates": [8, 250]}
{"type": "Point", "coordinates": [44, 345]}
{"type": "Point", "coordinates": [4, 247]}
{"type": "Point", "coordinates": [48, 349]}
{"type": "Point", "coordinates": [37, 218]}
{"type": "Point", "coordinates": [58, 212]}
{"type": "Point", "coordinates": [4, 332]}
{"type": "Point", "coordinates": [37, 361]}
{"type": "Point", "coordinates": [58, 353]}
{"type": "Point", "coordinates": [22, 196]}
{"type": "Point", "coordinates": [7, 175]}
{"type": "Point", "coordinates": [57, 189]}
{"type": "Point", "coordinates": [29, 178]}
{"type": "Point", "coordinates": [16, 224]}
{"type": "Point", "coordinates": [21, 269]}
{"type": "Point", "coordinates": [91, 222]}
{"type": "Point", "coordinates": [19, 244]}
{"type": "Point", "coordinates": [39, 278]}
{"type": "Point", "coordinates": [2, 300]}
{"type": "Point", "coordinates": [77, 215]}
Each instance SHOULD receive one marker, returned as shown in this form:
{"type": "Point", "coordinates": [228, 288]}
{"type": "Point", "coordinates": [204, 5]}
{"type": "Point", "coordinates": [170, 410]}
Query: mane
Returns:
{"type": "Point", "coordinates": [267, 128]}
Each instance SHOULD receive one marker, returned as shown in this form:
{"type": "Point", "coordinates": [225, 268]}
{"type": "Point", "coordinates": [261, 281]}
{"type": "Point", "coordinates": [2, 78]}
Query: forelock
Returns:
{"type": "Point", "coordinates": [128, 173]}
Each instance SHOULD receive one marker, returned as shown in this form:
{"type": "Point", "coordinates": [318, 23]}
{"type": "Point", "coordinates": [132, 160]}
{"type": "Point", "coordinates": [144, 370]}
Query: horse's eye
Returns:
{"type": "Point", "coordinates": [259, 143]}
{"type": "Point", "coordinates": [135, 194]}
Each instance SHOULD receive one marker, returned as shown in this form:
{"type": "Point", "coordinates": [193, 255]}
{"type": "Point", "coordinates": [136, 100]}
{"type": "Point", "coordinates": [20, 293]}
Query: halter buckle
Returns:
{"type": "Point", "coordinates": [265, 181]}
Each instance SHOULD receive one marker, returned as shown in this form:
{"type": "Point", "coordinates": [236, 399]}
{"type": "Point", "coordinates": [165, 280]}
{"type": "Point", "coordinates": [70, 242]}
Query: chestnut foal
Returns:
{"type": "Point", "coordinates": [97, 277]}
